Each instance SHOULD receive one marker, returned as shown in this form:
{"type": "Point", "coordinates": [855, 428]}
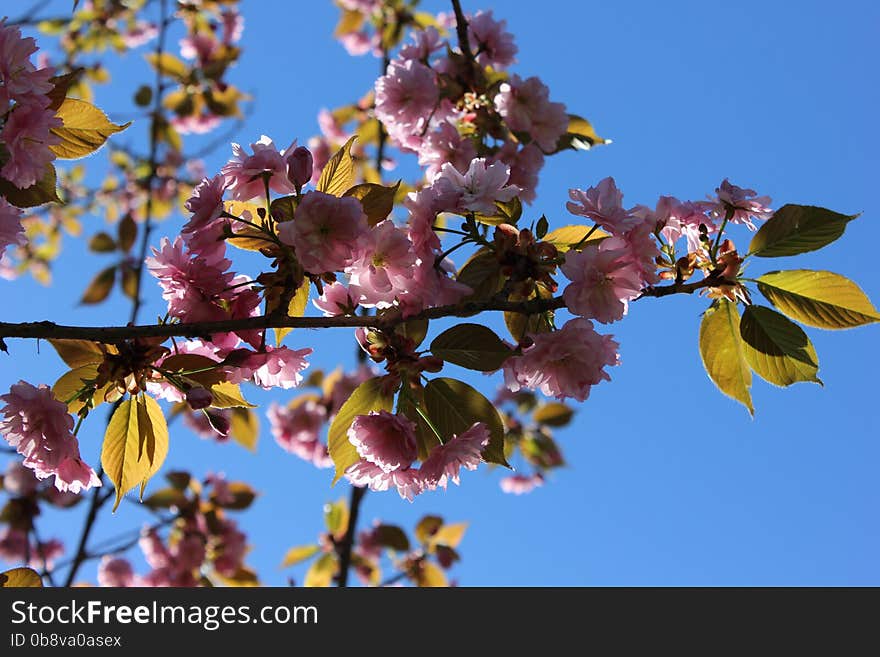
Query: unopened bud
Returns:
{"type": "Point", "coordinates": [198, 398]}
{"type": "Point", "coordinates": [299, 166]}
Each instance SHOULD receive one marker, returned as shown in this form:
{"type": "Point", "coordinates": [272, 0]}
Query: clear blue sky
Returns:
{"type": "Point", "coordinates": [668, 481]}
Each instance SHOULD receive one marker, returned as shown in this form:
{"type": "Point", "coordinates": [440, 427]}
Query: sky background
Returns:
{"type": "Point", "coordinates": [668, 482]}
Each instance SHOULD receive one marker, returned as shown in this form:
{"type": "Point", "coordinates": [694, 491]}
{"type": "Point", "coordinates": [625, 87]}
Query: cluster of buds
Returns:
{"type": "Point", "coordinates": [398, 351]}
{"type": "Point", "coordinates": [524, 260]}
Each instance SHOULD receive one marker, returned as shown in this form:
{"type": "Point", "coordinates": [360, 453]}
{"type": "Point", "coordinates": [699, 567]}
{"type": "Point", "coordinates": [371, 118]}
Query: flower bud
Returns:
{"type": "Point", "coordinates": [299, 166]}
{"type": "Point", "coordinates": [198, 398]}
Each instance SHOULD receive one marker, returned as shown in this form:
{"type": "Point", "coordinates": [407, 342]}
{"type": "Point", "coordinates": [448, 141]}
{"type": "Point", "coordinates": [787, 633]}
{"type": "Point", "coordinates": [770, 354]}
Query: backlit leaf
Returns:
{"type": "Point", "coordinates": [776, 348]}
{"type": "Point", "coordinates": [473, 346]}
{"type": "Point", "coordinates": [722, 351]}
{"type": "Point", "coordinates": [377, 200]}
{"type": "Point", "coordinates": [553, 414]}
{"type": "Point", "coordinates": [228, 395]}
{"type": "Point", "coordinates": [795, 229]}
{"type": "Point", "coordinates": [299, 554]}
{"type": "Point", "coordinates": [569, 237]}
{"type": "Point", "coordinates": [338, 174]}
{"type": "Point", "coordinates": [244, 427]}
{"type": "Point", "coordinates": [100, 287]}
{"type": "Point", "coordinates": [19, 578]}
{"type": "Point", "coordinates": [85, 129]}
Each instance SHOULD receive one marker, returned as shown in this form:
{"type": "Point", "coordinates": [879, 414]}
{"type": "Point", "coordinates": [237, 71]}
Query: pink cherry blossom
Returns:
{"type": "Point", "coordinates": [205, 203]}
{"type": "Point", "coordinates": [19, 480]}
{"type": "Point", "coordinates": [677, 219]}
{"type": "Point", "coordinates": [44, 554]}
{"type": "Point", "coordinates": [423, 208]}
{"type": "Point", "coordinates": [742, 205]}
{"type": "Point", "coordinates": [282, 368]}
{"type": "Point", "coordinates": [336, 300]}
{"type": "Point", "coordinates": [563, 363]}
{"type": "Point", "coordinates": [406, 96]}
{"type": "Point", "coordinates": [245, 172]}
{"type": "Point", "coordinates": [525, 106]}
{"type": "Point", "coordinates": [407, 482]}
{"type": "Point", "coordinates": [233, 25]}
{"type": "Point", "coordinates": [382, 268]}
{"type": "Point", "coordinates": [462, 451]}
{"type": "Point", "coordinates": [13, 544]}
{"type": "Point", "coordinates": [604, 205]}
{"type": "Point", "coordinates": [325, 231]}
{"type": "Point", "coordinates": [11, 230]}
{"type": "Point", "coordinates": [385, 440]}
{"type": "Point", "coordinates": [21, 81]}
{"type": "Point", "coordinates": [525, 164]}
{"type": "Point", "coordinates": [115, 572]}
{"type": "Point", "coordinates": [155, 552]}
{"type": "Point", "coordinates": [521, 484]}
{"type": "Point", "coordinates": [297, 429]}
{"type": "Point", "coordinates": [27, 138]}
{"type": "Point", "coordinates": [424, 44]}
{"type": "Point", "coordinates": [196, 124]}
{"type": "Point", "coordinates": [477, 189]}
{"type": "Point", "coordinates": [603, 280]}
{"type": "Point", "coordinates": [39, 427]}
{"type": "Point", "coordinates": [445, 145]}
{"type": "Point", "coordinates": [360, 42]}
{"type": "Point", "coordinates": [490, 40]}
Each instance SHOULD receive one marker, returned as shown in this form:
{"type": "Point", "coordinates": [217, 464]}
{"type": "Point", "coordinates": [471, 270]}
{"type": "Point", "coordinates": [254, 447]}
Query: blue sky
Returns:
{"type": "Point", "coordinates": [668, 481]}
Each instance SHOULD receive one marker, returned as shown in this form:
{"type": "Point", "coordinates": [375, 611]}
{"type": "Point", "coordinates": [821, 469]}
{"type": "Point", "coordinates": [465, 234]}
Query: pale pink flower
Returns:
{"type": "Point", "coordinates": [233, 26]}
{"type": "Point", "coordinates": [140, 33]}
{"type": "Point", "coordinates": [196, 124]}
{"type": "Point", "coordinates": [520, 484]}
{"type": "Point", "coordinates": [21, 81]}
{"type": "Point", "coordinates": [245, 173]}
{"type": "Point", "coordinates": [423, 208]}
{"type": "Point", "coordinates": [229, 547]}
{"type": "Point", "coordinates": [359, 42]}
{"type": "Point", "coordinates": [19, 480]}
{"type": "Point", "coordinates": [563, 363]}
{"type": "Point", "coordinates": [189, 551]}
{"type": "Point", "coordinates": [639, 242]}
{"type": "Point", "coordinates": [203, 233]}
{"type": "Point", "coordinates": [27, 138]}
{"type": "Point", "coordinates": [39, 427]}
{"type": "Point", "coordinates": [603, 281]}
{"type": "Point", "coordinates": [525, 164]}
{"type": "Point", "coordinates": [330, 127]}
{"type": "Point", "coordinates": [407, 482]}
{"type": "Point", "coordinates": [335, 301]}
{"type": "Point", "coordinates": [743, 205]}
{"type": "Point", "coordinates": [382, 268]}
{"type": "Point", "coordinates": [364, 6]}
{"type": "Point", "coordinates": [155, 552]}
{"type": "Point", "coordinates": [200, 46]}
{"type": "Point", "coordinates": [432, 287]}
{"type": "Point", "coordinates": [444, 144]}
{"type": "Point", "coordinates": [297, 430]}
{"type": "Point", "coordinates": [13, 544]}
{"type": "Point", "coordinates": [282, 369]}
{"type": "Point", "coordinates": [477, 189]}
{"type": "Point", "coordinates": [490, 41]}
{"type": "Point", "coordinates": [525, 106]}
{"type": "Point", "coordinates": [677, 219]}
{"type": "Point", "coordinates": [385, 440]}
{"type": "Point", "coordinates": [325, 231]}
{"type": "Point", "coordinates": [424, 44]}
{"type": "Point", "coordinates": [604, 205]}
{"type": "Point", "coordinates": [462, 451]}
{"type": "Point", "coordinates": [115, 572]}
{"type": "Point", "coordinates": [406, 96]}
{"type": "Point", "coordinates": [11, 230]}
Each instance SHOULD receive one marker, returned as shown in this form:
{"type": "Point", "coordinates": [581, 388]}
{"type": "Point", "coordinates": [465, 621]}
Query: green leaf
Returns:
{"type": "Point", "coordinates": [392, 536]}
{"type": "Point", "coordinates": [481, 273]}
{"type": "Point", "coordinates": [473, 346]}
{"type": "Point", "coordinates": [135, 444]}
{"type": "Point", "coordinates": [85, 129]}
{"type": "Point", "coordinates": [338, 174]}
{"type": "Point", "coordinates": [336, 518]}
{"type": "Point", "coordinates": [283, 208]}
{"type": "Point", "coordinates": [126, 233]}
{"type": "Point", "coordinates": [506, 212]}
{"type": "Point", "coordinates": [371, 395]}
{"type": "Point", "coordinates": [431, 575]}
{"type": "Point", "coordinates": [322, 571]}
{"type": "Point", "coordinates": [377, 200]}
{"type": "Point", "coordinates": [244, 427]}
{"type": "Point", "coordinates": [722, 351]}
{"type": "Point", "coordinates": [102, 243]}
{"type": "Point", "coordinates": [167, 64]}
{"type": "Point", "coordinates": [228, 395]}
{"type": "Point", "coordinates": [19, 578]}
{"type": "Point", "coordinates": [100, 287]}
{"type": "Point", "coordinates": [818, 298]}
{"type": "Point", "coordinates": [520, 324]}
{"type": "Point", "coordinates": [454, 407]}
{"type": "Point", "coordinates": [165, 498]}
{"type": "Point", "coordinates": [569, 237]}
{"type": "Point", "coordinates": [427, 527]}
{"type": "Point", "coordinates": [70, 383]}
{"type": "Point", "coordinates": [553, 414]}
{"type": "Point", "coordinates": [776, 348]}
{"type": "Point", "coordinates": [242, 496]}
{"type": "Point", "coordinates": [41, 192]}
{"type": "Point", "coordinates": [795, 229]}
{"type": "Point", "coordinates": [414, 329]}
{"type": "Point", "coordinates": [299, 554]}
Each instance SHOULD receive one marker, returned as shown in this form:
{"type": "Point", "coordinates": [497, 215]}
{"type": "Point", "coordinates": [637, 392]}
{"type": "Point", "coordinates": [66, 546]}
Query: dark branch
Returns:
{"type": "Point", "coordinates": [461, 29]}
{"type": "Point", "coordinates": [345, 546]}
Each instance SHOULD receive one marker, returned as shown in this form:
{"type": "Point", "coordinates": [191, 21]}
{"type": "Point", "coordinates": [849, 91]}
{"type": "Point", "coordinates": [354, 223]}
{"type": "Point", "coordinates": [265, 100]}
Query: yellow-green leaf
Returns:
{"type": "Point", "coordinates": [168, 64]}
{"type": "Point", "coordinates": [570, 237]}
{"type": "Point", "coordinates": [244, 427]}
{"type": "Point", "coordinates": [77, 353]}
{"type": "Point", "coordinates": [431, 575]}
{"type": "Point", "coordinates": [85, 129]}
{"type": "Point", "coordinates": [722, 351]}
{"type": "Point", "coordinates": [299, 554]}
{"type": "Point", "coordinates": [296, 308]}
{"type": "Point", "coordinates": [377, 200]}
{"type": "Point", "coordinates": [135, 444]}
{"type": "Point", "coordinates": [449, 535]}
{"type": "Point", "coordinates": [473, 346]}
{"type": "Point", "coordinates": [818, 298]}
{"type": "Point", "coordinates": [228, 395]}
{"type": "Point", "coordinates": [321, 573]}
{"type": "Point", "coordinates": [481, 273]}
{"type": "Point", "coordinates": [338, 174]}
{"type": "Point", "coordinates": [580, 135]}
{"type": "Point", "coordinates": [795, 229]}
{"type": "Point", "coordinates": [454, 407]}
{"type": "Point", "coordinates": [19, 578]}
{"type": "Point", "coordinates": [553, 414]}
{"type": "Point", "coordinates": [371, 395]}
{"type": "Point", "coordinates": [426, 528]}
{"type": "Point", "coordinates": [68, 386]}
{"type": "Point", "coordinates": [100, 287]}
{"type": "Point", "coordinates": [336, 518]}
{"type": "Point", "coordinates": [776, 348]}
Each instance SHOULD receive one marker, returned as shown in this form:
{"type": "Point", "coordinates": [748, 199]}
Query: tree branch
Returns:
{"type": "Point", "coordinates": [345, 546]}
{"type": "Point", "coordinates": [461, 29]}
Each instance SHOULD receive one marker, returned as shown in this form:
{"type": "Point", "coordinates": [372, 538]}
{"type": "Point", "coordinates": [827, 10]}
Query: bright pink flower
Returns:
{"type": "Point", "coordinates": [525, 165]}
{"type": "Point", "coordinates": [11, 230]}
{"type": "Point", "coordinates": [525, 106]}
{"type": "Point", "coordinates": [520, 484]}
{"type": "Point", "coordinates": [245, 172]}
{"type": "Point", "coordinates": [563, 363]}
{"type": "Point", "coordinates": [491, 41]}
{"type": "Point", "coordinates": [39, 427]}
{"type": "Point", "coordinates": [432, 287]}
{"type": "Point", "coordinates": [382, 268]}
{"type": "Point", "coordinates": [603, 281]}
{"type": "Point", "coordinates": [406, 96]}
{"type": "Point", "coordinates": [27, 139]}
{"type": "Point", "coordinates": [639, 242]}
{"type": "Point", "coordinates": [385, 440]}
{"type": "Point", "coordinates": [189, 551]}
{"type": "Point", "coordinates": [604, 205]}
{"type": "Point", "coordinates": [297, 430]}
{"type": "Point", "coordinates": [229, 547]}
{"type": "Point", "coordinates": [444, 144]}
{"type": "Point", "coordinates": [477, 189]}
{"type": "Point", "coordinates": [115, 572]}
{"type": "Point", "coordinates": [743, 205]}
{"type": "Point", "coordinates": [335, 301]}
{"type": "Point", "coordinates": [325, 231]}
{"type": "Point", "coordinates": [206, 204]}
{"type": "Point", "coordinates": [19, 480]}
{"type": "Point", "coordinates": [462, 451]}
